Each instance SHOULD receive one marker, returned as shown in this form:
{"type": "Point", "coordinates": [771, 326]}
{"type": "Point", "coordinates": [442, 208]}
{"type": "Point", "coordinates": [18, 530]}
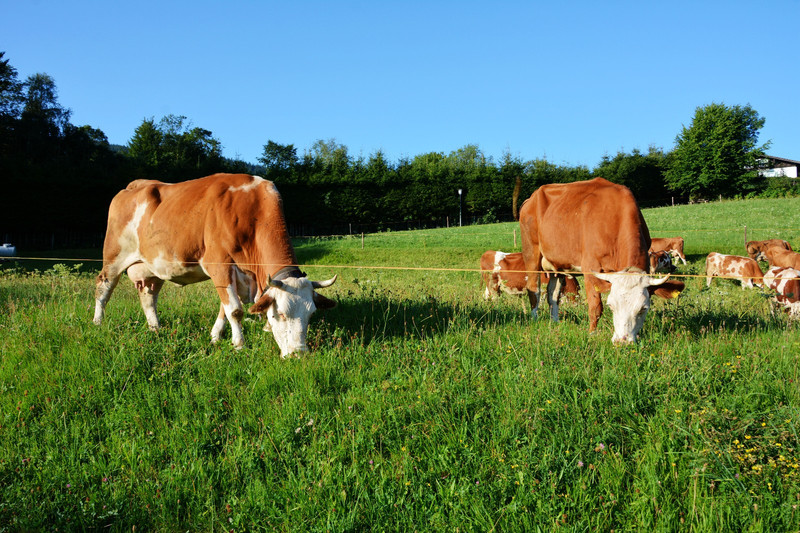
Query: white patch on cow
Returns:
{"type": "Point", "coordinates": [129, 238]}
{"type": "Point", "coordinates": [290, 314]}
{"type": "Point", "coordinates": [174, 270]}
{"type": "Point", "coordinates": [247, 187]}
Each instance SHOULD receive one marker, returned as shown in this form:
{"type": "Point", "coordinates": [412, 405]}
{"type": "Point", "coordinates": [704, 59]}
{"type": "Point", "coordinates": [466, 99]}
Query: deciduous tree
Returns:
{"type": "Point", "coordinates": [715, 155]}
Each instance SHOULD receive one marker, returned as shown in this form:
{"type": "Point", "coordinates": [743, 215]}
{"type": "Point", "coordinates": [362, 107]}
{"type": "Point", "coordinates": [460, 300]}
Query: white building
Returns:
{"type": "Point", "coordinates": [773, 167]}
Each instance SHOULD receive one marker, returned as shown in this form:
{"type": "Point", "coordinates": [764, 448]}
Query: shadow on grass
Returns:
{"type": "Point", "coordinates": [382, 317]}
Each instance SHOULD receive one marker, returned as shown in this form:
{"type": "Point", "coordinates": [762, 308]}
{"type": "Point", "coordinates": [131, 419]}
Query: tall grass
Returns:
{"type": "Point", "coordinates": [421, 408]}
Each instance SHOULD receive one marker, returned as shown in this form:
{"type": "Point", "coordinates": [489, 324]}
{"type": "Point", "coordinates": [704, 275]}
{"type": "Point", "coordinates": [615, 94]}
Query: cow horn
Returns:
{"type": "Point", "coordinates": [605, 276]}
{"type": "Point", "coordinates": [274, 282]}
{"type": "Point", "coordinates": [656, 282]}
{"type": "Point", "coordinates": [323, 284]}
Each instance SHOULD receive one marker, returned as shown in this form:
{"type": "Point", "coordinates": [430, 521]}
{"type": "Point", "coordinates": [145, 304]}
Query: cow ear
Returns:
{"type": "Point", "coordinates": [262, 304]}
{"type": "Point", "coordinates": [322, 302]}
{"type": "Point", "coordinates": [668, 289]}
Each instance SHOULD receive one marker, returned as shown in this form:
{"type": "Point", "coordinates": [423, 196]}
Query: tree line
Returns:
{"type": "Point", "coordinates": [61, 176]}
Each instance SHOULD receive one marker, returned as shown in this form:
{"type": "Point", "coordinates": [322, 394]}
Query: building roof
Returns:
{"type": "Point", "coordinates": [783, 160]}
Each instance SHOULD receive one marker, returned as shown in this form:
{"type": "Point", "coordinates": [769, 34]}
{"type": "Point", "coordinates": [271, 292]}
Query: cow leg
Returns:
{"type": "Point", "coordinates": [225, 281]}
{"type": "Point", "coordinates": [148, 297]}
{"type": "Point", "coordinates": [594, 301]}
{"type": "Point", "coordinates": [106, 283]}
{"type": "Point", "coordinates": [148, 287]}
{"type": "Point", "coordinates": [219, 325]}
{"type": "Point", "coordinates": [533, 298]}
{"type": "Point", "coordinates": [554, 295]}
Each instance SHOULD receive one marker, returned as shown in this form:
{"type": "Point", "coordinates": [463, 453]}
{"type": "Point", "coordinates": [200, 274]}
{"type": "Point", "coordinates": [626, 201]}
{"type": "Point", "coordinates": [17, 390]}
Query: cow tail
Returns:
{"type": "Point", "coordinates": [515, 198]}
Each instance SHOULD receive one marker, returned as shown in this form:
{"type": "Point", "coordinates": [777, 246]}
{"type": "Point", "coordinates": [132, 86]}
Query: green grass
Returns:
{"type": "Point", "coordinates": [422, 407]}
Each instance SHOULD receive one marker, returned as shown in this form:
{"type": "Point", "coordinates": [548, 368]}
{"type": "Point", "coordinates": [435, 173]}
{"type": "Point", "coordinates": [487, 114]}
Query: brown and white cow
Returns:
{"type": "Point", "coordinates": [660, 261]}
{"type": "Point", "coordinates": [671, 245]}
{"type": "Point", "coordinates": [738, 267]}
{"type": "Point", "coordinates": [757, 249]}
{"type": "Point", "coordinates": [786, 283]}
{"type": "Point", "coordinates": [594, 227]}
{"type": "Point", "coordinates": [777, 256]}
{"type": "Point", "coordinates": [228, 228]}
{"type": "Point", "coordinates": [505, 272]}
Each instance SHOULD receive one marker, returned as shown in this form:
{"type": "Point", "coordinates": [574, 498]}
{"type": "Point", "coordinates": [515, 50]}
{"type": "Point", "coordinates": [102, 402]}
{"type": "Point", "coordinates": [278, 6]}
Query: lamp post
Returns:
{"type": "Point", "coordinates": [459, 207]}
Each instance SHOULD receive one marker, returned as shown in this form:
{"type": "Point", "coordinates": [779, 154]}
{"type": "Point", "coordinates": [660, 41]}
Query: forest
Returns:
{"type": "Point", "coordinates": [58, 178]}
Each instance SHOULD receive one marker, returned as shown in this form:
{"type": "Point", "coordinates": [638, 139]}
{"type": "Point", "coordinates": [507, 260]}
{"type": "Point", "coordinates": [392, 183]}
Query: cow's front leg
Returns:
{"type": "Point", "coordinates": [219, 325]}
{"type": "Point", "coordinates": [225, 281]}
{"type": "Point", "coordinates": [594, 301]}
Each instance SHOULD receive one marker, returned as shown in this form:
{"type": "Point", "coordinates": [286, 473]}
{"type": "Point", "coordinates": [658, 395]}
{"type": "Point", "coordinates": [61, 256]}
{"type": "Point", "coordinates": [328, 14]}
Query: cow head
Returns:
{"type": "Point", "coordinates": [661, 261]}
{"type": "Point", "coordinates": [629, 301]}
{"type": "Point", "coordinates": [289, 304]}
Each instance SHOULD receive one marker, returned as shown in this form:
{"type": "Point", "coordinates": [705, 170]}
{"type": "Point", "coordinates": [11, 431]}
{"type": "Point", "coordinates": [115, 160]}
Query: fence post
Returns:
{"type": "Point", "coordinates": [515, 238]}
{"type": "Point", "coordinates": [362, 240]}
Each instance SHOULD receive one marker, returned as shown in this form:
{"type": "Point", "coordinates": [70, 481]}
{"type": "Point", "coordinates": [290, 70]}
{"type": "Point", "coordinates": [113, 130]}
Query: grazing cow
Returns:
{"type": "Point", "coordinates": [777, 256]}
{"type": "Point", "coordinates": [505, 272]}
{"type": "Point", "coordinates": [660, 261]}
{"type": "Point", "coordinates": [228, 228]}
{"type": "Point", "coordinates": [671, 245]}
{"type": "Point", "coordinates": [742, 268]}
{"type": "Point", "coordinates": [594, 227]}
{"type": "Point", "coordinates": [757, 249]}
{"type": "Point", "coordinates": [786, 283]}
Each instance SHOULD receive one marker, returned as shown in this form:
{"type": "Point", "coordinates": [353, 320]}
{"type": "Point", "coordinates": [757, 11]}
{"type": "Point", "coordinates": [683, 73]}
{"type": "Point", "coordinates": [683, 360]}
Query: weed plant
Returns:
{"type": "Point", "coordinates": [421, 408]}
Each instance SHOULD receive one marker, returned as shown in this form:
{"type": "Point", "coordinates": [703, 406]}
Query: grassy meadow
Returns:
{"type": "Point", "coordinates": [421, 408]}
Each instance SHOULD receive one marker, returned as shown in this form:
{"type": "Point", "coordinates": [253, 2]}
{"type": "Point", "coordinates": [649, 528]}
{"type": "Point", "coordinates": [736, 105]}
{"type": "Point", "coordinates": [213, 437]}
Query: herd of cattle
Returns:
{"type": "Point", "coordinates": [230, 228]}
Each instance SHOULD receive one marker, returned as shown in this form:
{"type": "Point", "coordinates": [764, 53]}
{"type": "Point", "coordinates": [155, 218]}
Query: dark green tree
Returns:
{"type": "Point", "coordinates": [11, 97]}
{"type": "Point", "coordinates": [715, 155]}
{"type": "Point", "coordinates": [278, 158]}
{"type": "Point", "coordinates": [174, 150]}
{"type": "Point", "coordinates": [144, 148]}
{"type": "Point", "coordinates": [642, 173]}
{"type": "Point", "coordinates": [41, 105]}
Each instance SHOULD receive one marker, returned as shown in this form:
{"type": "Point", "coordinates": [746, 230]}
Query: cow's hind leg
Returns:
{"type": "Point", "coordinates": [106, 283]}
{"type": "Point", "coordinates": [148, 286]}
{"type": "Point", "coordinates": [554, 295]}
{"type": "Point", "coordinates": [148, 297]}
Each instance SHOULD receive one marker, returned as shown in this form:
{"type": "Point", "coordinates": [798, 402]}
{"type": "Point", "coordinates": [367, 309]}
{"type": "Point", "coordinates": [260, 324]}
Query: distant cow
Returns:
{"type": "Point", "coordinates": [661, 261]}
{"type": "Point", "coordinates": [757, 249]}
{"type": "Point", "coordinates": [786, 283]}
{"type": "Point", "coordinates": [594, 227]}
{"type": "Point", "coordinates": [229, 228]}
{"type": "Point", "coordinates": [671, 245]}
{"type": "Point", "coordinates": [505, 272]}
{"type": "Point", "coordinates": [777, 256]}
{"type": "Point", "coordinates": [738, 267]}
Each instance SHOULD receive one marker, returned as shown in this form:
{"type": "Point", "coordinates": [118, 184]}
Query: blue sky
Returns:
{"type": "Point", "coordinates": [561, 80]}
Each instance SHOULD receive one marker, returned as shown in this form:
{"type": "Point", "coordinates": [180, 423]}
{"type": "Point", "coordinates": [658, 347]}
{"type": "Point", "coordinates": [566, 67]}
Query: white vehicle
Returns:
{"type": "Point", "coordinates": [7, 250]}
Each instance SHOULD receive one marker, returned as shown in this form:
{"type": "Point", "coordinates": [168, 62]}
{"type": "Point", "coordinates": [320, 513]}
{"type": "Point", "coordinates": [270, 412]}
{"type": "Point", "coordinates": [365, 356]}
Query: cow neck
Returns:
{"type": "Point", "coordinates": [288, 272]}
